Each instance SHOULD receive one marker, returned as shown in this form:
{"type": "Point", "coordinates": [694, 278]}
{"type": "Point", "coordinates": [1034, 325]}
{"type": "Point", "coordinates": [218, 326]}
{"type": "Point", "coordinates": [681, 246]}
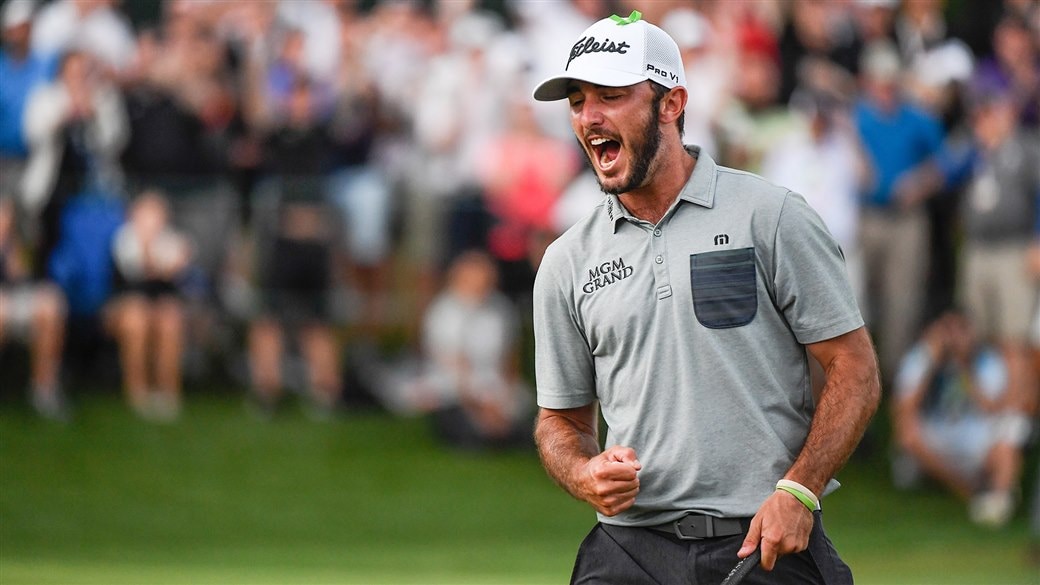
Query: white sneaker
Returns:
{"type": "Point", "coordinates": [164, 407]}
{"type": "Point", "coordinates": [991, 509]}
{"type": "Point", "coordinates": [50, 404]}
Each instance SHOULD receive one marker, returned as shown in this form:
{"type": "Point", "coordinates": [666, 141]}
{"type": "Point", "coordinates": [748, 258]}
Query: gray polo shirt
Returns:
{"type": "Point", "coordinates": [690, 334]}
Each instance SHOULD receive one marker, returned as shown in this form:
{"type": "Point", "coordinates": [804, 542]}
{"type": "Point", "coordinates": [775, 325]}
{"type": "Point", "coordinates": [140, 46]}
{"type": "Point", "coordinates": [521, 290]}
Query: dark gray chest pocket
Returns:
{"type": "Point", "coordinates": [724, 290]}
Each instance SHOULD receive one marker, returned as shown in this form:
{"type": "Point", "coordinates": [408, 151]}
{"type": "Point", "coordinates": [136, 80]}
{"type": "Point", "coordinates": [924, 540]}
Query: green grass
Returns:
{"type": "Point", "coordinates": [223, 498]}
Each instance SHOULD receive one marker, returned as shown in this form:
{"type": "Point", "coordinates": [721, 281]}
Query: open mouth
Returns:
{"type": "Point", "coordinates": [607, 151]}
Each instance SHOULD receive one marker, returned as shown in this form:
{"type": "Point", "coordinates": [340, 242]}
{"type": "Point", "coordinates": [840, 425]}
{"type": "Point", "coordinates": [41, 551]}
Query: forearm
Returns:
{"type": "Point", "coordinates": [565, 446]}
{"type": "Point", "coordinates": [849, 400]}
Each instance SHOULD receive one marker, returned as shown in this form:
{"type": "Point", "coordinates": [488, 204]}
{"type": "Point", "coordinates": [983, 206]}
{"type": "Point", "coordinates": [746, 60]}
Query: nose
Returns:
{"type": "Point", "coordinates": [589, 114]}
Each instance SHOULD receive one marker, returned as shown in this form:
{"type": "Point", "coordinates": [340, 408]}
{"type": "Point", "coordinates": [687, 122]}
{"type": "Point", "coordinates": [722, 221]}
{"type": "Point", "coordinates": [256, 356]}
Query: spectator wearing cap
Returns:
{"type": "Point", "coordinates": [899, 140]}
{"type": "Point", "coordinates": [755, 120]}
{"type": "Point", "coordinates": [22, 70]}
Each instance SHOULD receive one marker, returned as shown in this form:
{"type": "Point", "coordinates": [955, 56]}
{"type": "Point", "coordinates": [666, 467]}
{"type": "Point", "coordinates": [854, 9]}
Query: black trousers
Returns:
{"type": "Point", "coordinates": [619, 555]}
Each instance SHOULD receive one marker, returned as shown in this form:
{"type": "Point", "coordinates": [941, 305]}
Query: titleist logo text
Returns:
{"type": "Point", "coordinates": [586, 45]}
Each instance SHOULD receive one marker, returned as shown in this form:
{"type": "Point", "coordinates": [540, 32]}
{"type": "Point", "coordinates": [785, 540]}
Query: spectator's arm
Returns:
{"type": "Point", "coordinates": [926, 178]}
{"type": "Point", "coordinates": [45, 114]}
{"type": "Point", "coordinates": [955, 162]}
{"type": "Point", "coordinates": [111, 127]}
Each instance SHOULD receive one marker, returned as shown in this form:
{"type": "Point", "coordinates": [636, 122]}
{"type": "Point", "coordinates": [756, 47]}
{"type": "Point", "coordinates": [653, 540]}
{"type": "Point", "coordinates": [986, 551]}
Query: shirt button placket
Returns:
{"type": "Point", "coordinates": [664, 289]}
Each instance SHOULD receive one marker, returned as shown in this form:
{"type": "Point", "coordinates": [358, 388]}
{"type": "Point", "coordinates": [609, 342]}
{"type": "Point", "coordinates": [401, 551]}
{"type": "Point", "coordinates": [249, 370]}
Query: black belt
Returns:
{"type": "Point", "coordinates": [693, 526]}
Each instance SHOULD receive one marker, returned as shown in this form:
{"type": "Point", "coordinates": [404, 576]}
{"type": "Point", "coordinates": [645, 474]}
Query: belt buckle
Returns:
{"type": "Point", "coordinates": [694, 527]}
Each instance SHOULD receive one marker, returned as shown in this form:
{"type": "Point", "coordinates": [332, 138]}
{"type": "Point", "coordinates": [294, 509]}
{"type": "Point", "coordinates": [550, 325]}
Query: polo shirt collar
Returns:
{"type": "Point", "coordinates": [699, 189]}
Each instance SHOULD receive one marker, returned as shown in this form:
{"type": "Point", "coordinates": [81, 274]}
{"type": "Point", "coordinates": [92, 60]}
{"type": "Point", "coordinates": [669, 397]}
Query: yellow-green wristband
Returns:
{"type": "Point", "coordinates": [799, 491]}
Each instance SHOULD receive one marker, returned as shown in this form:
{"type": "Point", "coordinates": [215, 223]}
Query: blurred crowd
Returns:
{"type": "Point", "coordinates": [274, 189]}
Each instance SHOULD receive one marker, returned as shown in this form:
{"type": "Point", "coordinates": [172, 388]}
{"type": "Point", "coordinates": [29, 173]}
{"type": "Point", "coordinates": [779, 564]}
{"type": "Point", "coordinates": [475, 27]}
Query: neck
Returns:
{"type": "Point", "coordinates": [668, 175]}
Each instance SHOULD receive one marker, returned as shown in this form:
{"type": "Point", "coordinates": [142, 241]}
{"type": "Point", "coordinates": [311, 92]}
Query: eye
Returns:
{"type": "Point", "coordinates": [576, 103]}
{"type": "Point", "coordinates": [611, 97]}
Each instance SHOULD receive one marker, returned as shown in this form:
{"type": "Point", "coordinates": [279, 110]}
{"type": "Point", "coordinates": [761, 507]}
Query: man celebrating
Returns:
{"type": "Point", "coordinates": [684, 306]}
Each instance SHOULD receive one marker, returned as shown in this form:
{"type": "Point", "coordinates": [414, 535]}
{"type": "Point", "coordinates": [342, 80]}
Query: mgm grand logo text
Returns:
{"type": "Point", "coordinates": [606, 274]}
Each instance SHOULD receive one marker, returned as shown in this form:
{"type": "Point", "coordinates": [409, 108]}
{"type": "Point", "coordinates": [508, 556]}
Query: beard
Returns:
{"type": "Point", "coordinates": [644, 152]}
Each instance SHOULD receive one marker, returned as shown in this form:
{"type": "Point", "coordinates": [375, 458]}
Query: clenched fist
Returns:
{"type": "Point", "coordinates": [610, 480]}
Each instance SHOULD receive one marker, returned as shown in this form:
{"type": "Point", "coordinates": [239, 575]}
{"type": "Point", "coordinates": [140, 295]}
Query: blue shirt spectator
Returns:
{"type": "Point", "coordinates": [21, 71]}
{"type": "Point", "coordinates": [896, 141]}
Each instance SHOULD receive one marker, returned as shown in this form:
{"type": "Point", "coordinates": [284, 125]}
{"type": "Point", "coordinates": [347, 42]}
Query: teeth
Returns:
{"type": "Point", "coordinates": [597, 141]}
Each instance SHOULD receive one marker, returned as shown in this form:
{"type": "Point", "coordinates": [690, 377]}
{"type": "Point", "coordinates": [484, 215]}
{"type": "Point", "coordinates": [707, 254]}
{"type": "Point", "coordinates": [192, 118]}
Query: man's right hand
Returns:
{"type": "Point", "coordinates": [610, 480]}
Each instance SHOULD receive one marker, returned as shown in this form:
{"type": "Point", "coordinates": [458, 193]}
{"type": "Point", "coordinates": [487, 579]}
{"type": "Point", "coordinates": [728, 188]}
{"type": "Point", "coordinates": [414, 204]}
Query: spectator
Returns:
{"type": "Point", "coordinates": [1000, 216]}
{"type": "Point", "coordinates": [919, 27]}
{"type": "Point", "coordinates": [1015, 67]}
{"type": "Point", "coordinates": [818, 41]}
{"type": "Point", "coordinates": [182, 107]}
{"type": "Point", "coordinates": [470, 337]}
{"type": "Point", "coordinates": [523, 172]}
{"type": "Point", "coordinates": [146, 316]}
{"type": "Point", "coordinates": [285, 71]}
{"type": "Point", "coordinates": [359, 185]}
{"type": "Point", "coordinates": [76, 128]}
{"type": "Point", "coordinates": [460, 109]}
{"type": "Point", "coordinates": [956, 420]}
{"type": "Point", "coordinates": [936, 81]}
{"type": "Point", "coordinates": [821, 161]}
{"type": "Point", "coordinates": [318, 25]}
{"type": "Point", "coordinates": [22, 71]}
{"type": "Point", "coordinates": [33, 312]}
{"type": "Point", "coordinates": [295, 261]}
{"type": "Point", "coordinates": [755, 120]}
{"type": "Point", "coordinates": [899, 141]}
{"type": "Point", "coordinates": [468, 377]}
{"type": "Point", "coordinates": [875, 21]}
{"type": "Point", "coordinates": [710, 66]}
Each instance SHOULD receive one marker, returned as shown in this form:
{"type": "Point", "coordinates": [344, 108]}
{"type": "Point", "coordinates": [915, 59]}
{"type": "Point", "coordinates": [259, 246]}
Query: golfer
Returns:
{"type": "Point", "coordinates": [685, 306]}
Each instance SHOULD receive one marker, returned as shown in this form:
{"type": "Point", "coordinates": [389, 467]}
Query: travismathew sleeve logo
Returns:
{"type": "Point", "coordinates": [605, 274]}
{"type": "Point", "coordinates": [586, 45]}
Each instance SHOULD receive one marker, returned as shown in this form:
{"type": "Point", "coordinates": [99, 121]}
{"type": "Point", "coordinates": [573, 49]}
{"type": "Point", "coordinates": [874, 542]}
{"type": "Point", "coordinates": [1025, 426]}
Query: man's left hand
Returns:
{"type": "Point", "coordinates": [781, 526]}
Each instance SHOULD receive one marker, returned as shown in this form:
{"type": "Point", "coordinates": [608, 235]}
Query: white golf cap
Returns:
{"type": "Point", "coordinates": [618, 52]}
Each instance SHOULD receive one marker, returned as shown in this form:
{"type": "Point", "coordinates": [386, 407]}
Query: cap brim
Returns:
{"type": "Point", "coordinates": [555, 88]}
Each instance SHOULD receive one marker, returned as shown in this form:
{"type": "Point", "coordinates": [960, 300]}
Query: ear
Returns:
{"type": "Point", "coordinates": [672, 105]}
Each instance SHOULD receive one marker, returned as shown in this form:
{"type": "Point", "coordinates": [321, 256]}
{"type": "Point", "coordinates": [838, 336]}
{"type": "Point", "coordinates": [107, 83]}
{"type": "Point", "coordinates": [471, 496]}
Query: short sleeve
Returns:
{"type": "Point", "coordinates": [811, 281]}
{"type": "Point", "coordinates": [564, 370]}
